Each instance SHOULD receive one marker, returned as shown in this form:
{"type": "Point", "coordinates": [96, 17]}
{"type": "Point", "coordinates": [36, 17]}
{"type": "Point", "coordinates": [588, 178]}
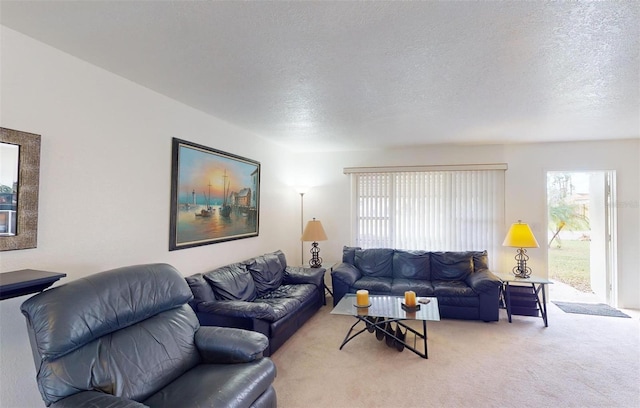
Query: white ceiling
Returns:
{"type": "Point", "coordinates": [320, 75]}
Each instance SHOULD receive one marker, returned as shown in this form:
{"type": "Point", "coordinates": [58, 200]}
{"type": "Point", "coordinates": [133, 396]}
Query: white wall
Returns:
{"type": "Point", "coordinates": [525, 192]}
{"type": "Point", "coordinates": [105, 180]}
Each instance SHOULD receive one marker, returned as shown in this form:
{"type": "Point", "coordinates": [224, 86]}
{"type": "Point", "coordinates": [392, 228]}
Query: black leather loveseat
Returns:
{"type": "Point", "coordinates": [462, 281]}
{"type": "Point", "coordinates": [262, 294]}
{"type": "Point", "coordinates": [127, 338]}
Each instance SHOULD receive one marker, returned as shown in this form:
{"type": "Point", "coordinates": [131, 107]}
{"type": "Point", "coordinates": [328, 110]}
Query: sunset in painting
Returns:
{"type": "Point", "coordinates": [216, 196]}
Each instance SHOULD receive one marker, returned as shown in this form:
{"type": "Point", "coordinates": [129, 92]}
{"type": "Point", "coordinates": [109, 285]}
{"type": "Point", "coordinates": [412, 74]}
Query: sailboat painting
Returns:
{"type": "Point", "coordinates": [215, 196]}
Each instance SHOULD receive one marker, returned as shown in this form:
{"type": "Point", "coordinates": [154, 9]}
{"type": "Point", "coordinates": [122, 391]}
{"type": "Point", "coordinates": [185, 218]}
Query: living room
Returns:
{"type": "Point", "coordinates": [105, 179]}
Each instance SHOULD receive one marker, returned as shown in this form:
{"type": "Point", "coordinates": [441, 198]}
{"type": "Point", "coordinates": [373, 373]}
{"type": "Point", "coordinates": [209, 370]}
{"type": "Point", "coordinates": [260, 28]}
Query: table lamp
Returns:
{"type": "Point", "coordinates": [520, 236]}
{"type": "Point", "coordinates": [314, 232]}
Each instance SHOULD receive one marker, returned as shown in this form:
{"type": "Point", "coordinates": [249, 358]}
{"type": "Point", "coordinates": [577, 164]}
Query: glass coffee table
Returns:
{"type": "Point", "coordinates": [382, 314]}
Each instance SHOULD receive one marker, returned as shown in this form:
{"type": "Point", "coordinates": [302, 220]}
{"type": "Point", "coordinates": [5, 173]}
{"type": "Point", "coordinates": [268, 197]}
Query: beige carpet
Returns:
{"type": "Point", "coordinates": [578, 361]}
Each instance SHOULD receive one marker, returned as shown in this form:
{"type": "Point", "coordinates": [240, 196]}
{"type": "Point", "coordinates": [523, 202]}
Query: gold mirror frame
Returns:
{"type": "Point", "coordinates": [28, 185]}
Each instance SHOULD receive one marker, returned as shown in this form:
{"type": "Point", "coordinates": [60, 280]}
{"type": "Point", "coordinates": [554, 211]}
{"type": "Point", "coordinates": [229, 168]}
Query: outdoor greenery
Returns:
{"type": "Point", "coordinates": [564, 213]}
{"type": "Point", "coordinates": [570, 264]}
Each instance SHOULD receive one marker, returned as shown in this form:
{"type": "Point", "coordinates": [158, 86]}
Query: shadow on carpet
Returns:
{"type": "Point", "coordinates": [597, 309]}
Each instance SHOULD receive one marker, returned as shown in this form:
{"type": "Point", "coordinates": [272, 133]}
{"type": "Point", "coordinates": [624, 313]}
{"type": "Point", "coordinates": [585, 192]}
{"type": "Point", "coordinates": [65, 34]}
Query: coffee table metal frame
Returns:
{"type": "Point", "coordinates": [384, 310]}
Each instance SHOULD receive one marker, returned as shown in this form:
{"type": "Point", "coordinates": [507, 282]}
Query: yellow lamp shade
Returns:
{"type": "Point", "coordinates": [520, 236]}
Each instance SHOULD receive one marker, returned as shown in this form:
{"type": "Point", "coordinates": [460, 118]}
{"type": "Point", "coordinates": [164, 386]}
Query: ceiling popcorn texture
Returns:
{"type": "Point", "coordinates": [323, 75]}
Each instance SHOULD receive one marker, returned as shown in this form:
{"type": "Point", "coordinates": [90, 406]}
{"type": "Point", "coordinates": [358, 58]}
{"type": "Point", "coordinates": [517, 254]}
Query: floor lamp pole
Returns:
{"type": "Point", "coordinates": [301, 228]}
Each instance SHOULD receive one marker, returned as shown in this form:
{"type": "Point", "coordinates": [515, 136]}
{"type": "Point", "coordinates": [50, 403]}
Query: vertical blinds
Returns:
{"type": "Point", "coordinates": [450, 210]}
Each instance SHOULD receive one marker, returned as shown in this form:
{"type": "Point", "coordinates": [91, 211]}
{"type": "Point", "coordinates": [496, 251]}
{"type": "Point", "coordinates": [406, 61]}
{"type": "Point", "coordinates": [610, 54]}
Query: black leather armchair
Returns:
{"type": "Point", "coordinates": [128, 338]}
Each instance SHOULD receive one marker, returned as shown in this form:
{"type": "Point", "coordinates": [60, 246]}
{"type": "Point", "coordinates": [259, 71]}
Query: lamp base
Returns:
{"type": "Point", "coordinates": [315, 261]}
{"type": "Point", "coordinates": [521, 270]}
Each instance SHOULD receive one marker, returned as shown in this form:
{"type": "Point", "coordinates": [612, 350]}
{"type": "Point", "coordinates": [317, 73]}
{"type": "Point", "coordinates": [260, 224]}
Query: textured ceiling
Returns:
{"type": "Point", "coordinates": [354, 75]}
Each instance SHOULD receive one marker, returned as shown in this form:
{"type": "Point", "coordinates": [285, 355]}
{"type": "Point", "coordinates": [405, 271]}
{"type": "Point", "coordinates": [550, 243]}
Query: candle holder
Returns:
{"type": "Point", "coordinates": [410, 308]}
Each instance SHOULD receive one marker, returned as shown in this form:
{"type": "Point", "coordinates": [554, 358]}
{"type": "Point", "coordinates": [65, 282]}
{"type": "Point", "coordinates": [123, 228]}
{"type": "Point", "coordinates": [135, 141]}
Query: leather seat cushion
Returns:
{"type": "Point", "coordinates": [452, 288]}
{"type": "Point", "coordinates": [236, 385]}
{"type": "Point", "coordinates": [421, 287]}
{"type": "Point", "coordinates": [300, 291]}
{"type": "Point", "coordinates": [374, 284]}
{"type": "Point", "coordinates": [279, 307]}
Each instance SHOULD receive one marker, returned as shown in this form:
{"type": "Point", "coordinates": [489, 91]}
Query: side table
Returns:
{"type": "Point", "coordinates": [26, 281]}
{"type": "Point", "coordinates": [326, 288]}
{"type": "Point", "coordinates": [522, 295]}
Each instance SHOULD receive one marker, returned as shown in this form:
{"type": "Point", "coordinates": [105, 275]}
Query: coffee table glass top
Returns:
{"type": "Point", "coordinates": [388, 307]}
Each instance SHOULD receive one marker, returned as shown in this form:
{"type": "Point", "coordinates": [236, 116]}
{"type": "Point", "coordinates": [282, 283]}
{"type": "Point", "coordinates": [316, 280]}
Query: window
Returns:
{"type": "Point", "coordinates": [440, 208]}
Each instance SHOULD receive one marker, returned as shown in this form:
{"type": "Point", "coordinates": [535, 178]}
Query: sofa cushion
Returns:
{"type": "Point", "coordinates": [349, 254]}
{"type": "Point", "coordinates": [300, 291]}
{"type": "Point", "coordinates": [282, 258]}
{"type": "Point", "coordinates": [279, 306]}
{"type": "Point", "coordinates": [411, 265]}
{"type": "Point", "coordinates": [421, 287]}
{"type": "Point", "coordinates": [235, 385]}
{"type": "Point", "coordinates": [376, 262]}
{"type": "Point", "coordinates": [480, 260]}
{"type": "Point", "coordinates": [202, 291]}
{"type": "Point", "coordinates": [452, 288]}
{"type": "Point", "coordinates": [232, 282]}
{"type": "Point", "coordinates": [451, 266]}
{"type": "Point", "coordinates": [374, 284]}
{"type": "Point", "coordinates": [267, 272]}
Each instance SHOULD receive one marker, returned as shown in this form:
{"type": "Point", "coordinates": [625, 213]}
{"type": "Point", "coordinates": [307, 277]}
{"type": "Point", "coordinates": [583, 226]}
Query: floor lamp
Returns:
{"type": "Point", "coordinates": [301, 226]}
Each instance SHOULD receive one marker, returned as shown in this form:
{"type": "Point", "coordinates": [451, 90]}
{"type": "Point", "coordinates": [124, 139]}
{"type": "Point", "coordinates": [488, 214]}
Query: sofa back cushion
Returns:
{"type": "Point", "coordinates": [201, 289]}
{"type": "Point", "coordinates": [411, 265]}
{"type": "Point", "coordinates": [451, 266]}
{"type": "Point", "coordinates": [480, 260]}
{"type": "Point", "coordinates": [232, 282]}
{"type": "Point", "coordinates": [376, 262]}
{"type": "Point", "coordinates": [267, 272]}
{"type": "Point", "coordinates": [349, 254]}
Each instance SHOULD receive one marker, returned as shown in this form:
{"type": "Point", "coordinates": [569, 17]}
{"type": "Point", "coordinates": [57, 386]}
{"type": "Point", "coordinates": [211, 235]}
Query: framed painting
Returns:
{"type": "Point", "coordinates": [215, 196]}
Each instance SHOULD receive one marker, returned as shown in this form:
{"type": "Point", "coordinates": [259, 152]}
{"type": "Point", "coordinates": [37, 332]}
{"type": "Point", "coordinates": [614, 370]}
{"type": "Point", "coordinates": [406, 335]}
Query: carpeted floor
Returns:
{"type": "Point", "coordinates": [596, 309]}
{"type": "Point", "coordinates": [578, 361]}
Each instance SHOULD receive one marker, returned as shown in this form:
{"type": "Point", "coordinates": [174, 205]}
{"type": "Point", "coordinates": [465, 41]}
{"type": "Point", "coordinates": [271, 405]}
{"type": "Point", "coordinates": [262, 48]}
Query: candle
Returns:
{"type": "Point", "coordinates": [410, 298]}
{"type": "Point", "coordinates": [362, 297]}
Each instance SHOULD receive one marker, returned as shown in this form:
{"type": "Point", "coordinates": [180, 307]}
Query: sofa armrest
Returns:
{"type": "Point", "coordinates": [483, 280]}
{"type": "Point", "coordinates": [346, 273]}
{"type": "Point", "coordinates": [96, 399]}
{"type": "Point", "coordinates": [237, 308]}
{"type": "Point", "coordinates": [296, 274]}
{"type": "Point", "coordinates": [225, 345]}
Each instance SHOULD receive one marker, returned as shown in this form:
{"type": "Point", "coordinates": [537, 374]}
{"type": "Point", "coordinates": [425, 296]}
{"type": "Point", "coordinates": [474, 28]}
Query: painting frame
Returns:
{"type": "Point", "coordinates": [215, 196]}
{"type": "Point", "coordinates": [28, 187]}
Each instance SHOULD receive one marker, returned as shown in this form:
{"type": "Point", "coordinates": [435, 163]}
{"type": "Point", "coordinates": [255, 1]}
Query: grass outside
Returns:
{"type": "Point", "coordinates": [570, 264]}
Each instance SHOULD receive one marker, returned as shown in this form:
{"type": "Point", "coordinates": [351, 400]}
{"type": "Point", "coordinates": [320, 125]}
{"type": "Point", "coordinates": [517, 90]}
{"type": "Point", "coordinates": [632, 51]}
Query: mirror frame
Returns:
{"type": "Point", "coordinates": [28, 186]}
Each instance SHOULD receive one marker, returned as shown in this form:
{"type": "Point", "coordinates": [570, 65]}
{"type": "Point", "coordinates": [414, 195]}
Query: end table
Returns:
{"type": "Point", "coordinates": [519, 294]}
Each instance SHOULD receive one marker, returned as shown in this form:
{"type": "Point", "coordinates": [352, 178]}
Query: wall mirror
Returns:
{"type": "Point", "coordinates": [19, 183]}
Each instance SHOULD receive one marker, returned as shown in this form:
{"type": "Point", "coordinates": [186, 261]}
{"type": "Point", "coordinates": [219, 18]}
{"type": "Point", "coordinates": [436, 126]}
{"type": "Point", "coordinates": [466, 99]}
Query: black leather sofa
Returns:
{"type": "Point", "coordinates": [127, 338]}
{"type": "Point", "coordinates": [262, 294]}
{"type": "Point", "coordinates": [462, 281]}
